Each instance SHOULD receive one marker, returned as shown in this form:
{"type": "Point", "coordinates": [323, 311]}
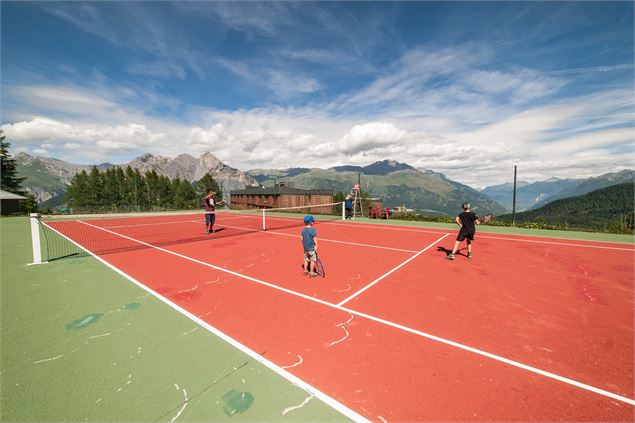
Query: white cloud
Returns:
{"type": "Point", "coordinates": [286, 85]}
{"type": "Point", "coordinates": [43, 135]}
{"type": "Point", "coordinates": [370, 136]}
{"type": "Point", "coordinates": [459, 126]}
{"type": "Point", "coordinates": [520, 86]}
{"type": "Point", "coordinates": [159, 69]}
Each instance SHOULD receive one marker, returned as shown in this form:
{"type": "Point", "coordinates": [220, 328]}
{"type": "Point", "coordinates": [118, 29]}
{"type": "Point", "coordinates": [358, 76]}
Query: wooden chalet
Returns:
{"type": "Point", "coordinates": [282, 196]}
{"type": "Point", "coordinates": [10, 203]}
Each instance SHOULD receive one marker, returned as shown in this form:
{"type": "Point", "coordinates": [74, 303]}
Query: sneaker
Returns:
{"type": "Point", "coordinates": [207, 232]}
{"type": "Point", "coordinates": [450, 256]}
{"type": "Point", "coordinates": [312, 274]}
{"type": "Point", "coordinates": [305, 273]}
{"type": "Point", "coordinates": [469, 255]}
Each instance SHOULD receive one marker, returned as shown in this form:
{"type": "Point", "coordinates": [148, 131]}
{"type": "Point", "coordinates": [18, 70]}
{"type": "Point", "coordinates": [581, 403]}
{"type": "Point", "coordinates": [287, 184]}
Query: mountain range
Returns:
{"type": "Point", "coordinates": [531, 196]}
{"type": "Point", "coordinates": [48, 179]}
{"type": "Point", "coordinates": [425, 191]}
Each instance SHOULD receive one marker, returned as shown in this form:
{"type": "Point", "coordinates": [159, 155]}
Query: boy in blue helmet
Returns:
{"type": "Point", "coordinates": [309, 243]}
{"type": "Point", "coordinates": [467, 221]}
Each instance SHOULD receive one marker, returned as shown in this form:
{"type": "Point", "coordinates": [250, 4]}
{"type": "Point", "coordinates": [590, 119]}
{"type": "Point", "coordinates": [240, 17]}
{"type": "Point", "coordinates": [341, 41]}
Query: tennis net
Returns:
{"type": "Point", "coordinates": [60, 236]}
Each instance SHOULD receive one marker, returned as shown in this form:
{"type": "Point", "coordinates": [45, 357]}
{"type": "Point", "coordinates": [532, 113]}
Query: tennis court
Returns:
{"type": "Point", "coordinates": [531, 328]}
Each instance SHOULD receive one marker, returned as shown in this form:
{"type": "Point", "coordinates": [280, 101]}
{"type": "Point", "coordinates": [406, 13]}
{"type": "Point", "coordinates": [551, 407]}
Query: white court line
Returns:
{"type": "Point", "coordinates": [325, 239]}
{"type": "Point", "coordinates": [355, 294]}
{"type": "Point", "coordinates": [257, 230]}
{"type": "Point", "coordinates": [363, 225]}
{"type": "Point", "coordinates": [480, 234]}
{"type": "Point", "coordinates": [256, 356]}
{"type": "Point", "coordinates": [290, 235]}
{"type": "Point", "coordinates": [153, 224]}
{"type": "Point", "coordinates": [535, 370]}
{"type": "Point", "coordinates": [559, 243]}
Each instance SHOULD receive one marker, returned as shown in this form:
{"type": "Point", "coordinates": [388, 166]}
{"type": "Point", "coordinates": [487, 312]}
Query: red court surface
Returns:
{"type": "Point", "coordinates": [530, 329]}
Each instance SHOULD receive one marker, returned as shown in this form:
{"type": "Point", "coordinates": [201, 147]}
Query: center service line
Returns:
{"type": "Point", "coordinates": [341, 303]}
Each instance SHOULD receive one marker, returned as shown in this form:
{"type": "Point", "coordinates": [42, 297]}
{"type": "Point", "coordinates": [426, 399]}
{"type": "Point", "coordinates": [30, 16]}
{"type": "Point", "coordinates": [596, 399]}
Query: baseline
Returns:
{"type": "Point", "coordinates": [488, 236]}
{"type": "Point", "coordinates": [464, 347]}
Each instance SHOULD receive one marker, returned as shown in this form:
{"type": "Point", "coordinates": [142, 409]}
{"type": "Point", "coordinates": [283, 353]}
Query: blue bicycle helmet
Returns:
{"type": "Point", "coordinates": [308, 219]}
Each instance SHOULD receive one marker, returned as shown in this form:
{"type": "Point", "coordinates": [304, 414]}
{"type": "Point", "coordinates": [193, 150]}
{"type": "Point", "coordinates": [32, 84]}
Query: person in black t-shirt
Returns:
{"type": "Point", "coordinates": [467, 221]}
{"type": "Point", "coordinates": [348, 205]}
{"type": "Point", "coordinates": [210, 210]}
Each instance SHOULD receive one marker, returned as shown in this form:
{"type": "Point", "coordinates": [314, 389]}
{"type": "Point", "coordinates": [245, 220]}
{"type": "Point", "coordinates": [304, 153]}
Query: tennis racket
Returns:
{"type": "Point", "coordinates": [319, 266]}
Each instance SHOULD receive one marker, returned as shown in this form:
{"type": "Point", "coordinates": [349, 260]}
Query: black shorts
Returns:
{"type": "Point", "coordinates": [210, 218]}
{"type": "Point", "coordinates": [465, 235]}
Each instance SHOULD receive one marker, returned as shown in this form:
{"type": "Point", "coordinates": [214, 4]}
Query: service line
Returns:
{"type": "Point", "coordinates": [355, 294]}
{"type": "Point", "coordinates": [303, 384]}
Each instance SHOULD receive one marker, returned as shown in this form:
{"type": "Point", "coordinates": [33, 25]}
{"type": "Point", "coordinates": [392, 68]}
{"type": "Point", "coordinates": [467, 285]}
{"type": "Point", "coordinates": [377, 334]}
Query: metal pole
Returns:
{"type": "Point", "coordinates": [136, 206]}
{"type": "Point", "coordinates": [514, 200]}
{"type": "Point", "coordinates": [36, 240]}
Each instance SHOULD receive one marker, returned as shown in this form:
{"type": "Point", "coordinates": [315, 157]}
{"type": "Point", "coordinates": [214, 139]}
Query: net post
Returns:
{"type": "Point", "coordinates": [36, 242]}
{"type": "Point", "coordinates": [264, 227]}
{"type": "Point", "coordinates": [343, 210]}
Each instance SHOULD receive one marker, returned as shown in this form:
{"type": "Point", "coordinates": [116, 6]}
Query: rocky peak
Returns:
{"type": "Point", "coordinates": [145, 158]}
{"type": "Point", "coordinates": [210, 161]}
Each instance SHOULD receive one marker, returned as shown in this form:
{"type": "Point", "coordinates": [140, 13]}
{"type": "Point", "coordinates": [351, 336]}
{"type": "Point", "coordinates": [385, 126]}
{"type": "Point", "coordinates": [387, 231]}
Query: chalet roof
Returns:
{"type": "Point", "coordinates": [5, 195]}
{"type": "Point", "coordinates": [282, 191]}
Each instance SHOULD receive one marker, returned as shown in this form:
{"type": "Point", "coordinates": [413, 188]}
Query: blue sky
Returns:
{"type": "Point", "coordinates": [464, 88]}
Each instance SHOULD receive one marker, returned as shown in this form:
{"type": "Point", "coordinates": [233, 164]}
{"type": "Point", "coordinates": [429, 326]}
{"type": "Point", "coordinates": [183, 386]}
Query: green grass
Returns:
{"type": "Point", "coordinates": [82, 343]}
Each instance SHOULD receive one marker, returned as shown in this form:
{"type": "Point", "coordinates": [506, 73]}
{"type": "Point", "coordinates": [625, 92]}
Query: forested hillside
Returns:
{"type": "Point", "coordinates": [607, 210]}
{"type": "Point", "coordinates": [117, 189]}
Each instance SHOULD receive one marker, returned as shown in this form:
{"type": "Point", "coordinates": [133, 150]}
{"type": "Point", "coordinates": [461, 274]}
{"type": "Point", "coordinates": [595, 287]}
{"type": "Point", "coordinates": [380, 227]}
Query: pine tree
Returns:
{"type": "Point", "coordinates": [208, 182]}
{"type": "Point", "coordinates": [152, 187]}
{"type": "Point", "coordinates": [96, 188]}
{"type": "Point", "coordinates": [9, 181]}
{"type": "Point", "coordinates": [179, 199]}
{"type": "Point", "coordinates": [112, 193]}
{"type": "Point", "coordinates": [131, 193]}
{"type": "Point", "coordinates": [78, 193]}
{"type": "Point", "coordinates": [165, 192]}
{"type": "Point", "coordinates": [29, 205]}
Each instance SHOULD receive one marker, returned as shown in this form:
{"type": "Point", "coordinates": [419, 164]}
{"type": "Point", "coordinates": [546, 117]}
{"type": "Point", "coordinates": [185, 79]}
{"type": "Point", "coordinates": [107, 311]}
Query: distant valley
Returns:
{"type": "Point", "coordinates": [608, 209]}
{"type": "Point", "coordinates": [534, 195]}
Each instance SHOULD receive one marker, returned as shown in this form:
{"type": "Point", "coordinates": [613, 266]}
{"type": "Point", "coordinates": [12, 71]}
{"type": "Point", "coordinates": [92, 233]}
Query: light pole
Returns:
{"type": "Point", "coordinates": [514, 200]}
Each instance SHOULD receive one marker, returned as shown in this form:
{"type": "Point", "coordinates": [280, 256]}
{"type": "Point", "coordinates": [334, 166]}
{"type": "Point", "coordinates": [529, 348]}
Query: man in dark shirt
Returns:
{"type": "Point", "coordinates": [210, 210]}
{"type": "Point", "coordinates": [348, 205]}
{"type": "Point", "coordinates": [467, 221]}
